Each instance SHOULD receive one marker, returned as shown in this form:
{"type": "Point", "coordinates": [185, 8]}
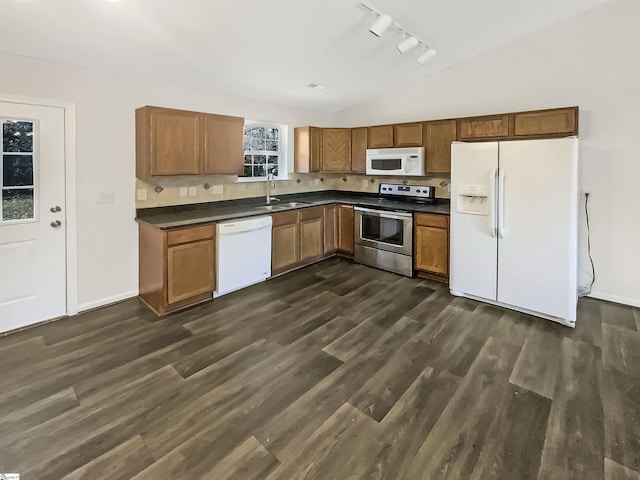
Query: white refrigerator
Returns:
{"type": "Point", "coordinates": [514, 225]}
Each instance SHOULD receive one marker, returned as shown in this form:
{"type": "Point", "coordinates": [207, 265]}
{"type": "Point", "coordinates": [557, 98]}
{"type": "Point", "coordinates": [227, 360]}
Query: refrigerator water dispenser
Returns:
{"type": "Point", "coordinates": [473, 199]}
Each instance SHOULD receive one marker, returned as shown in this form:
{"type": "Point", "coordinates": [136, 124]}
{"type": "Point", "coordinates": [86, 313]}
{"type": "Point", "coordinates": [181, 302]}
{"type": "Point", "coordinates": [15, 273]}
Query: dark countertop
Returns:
{"type": "Point", "coordinates": [200, 213]}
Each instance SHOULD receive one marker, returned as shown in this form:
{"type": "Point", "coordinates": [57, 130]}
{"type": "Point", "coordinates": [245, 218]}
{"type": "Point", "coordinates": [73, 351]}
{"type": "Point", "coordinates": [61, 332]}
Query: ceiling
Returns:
{"type": "Point", "coordinates": [269, 49]}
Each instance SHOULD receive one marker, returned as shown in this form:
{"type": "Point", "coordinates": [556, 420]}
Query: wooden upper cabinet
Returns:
{"type": "Point", "coordinates": [307, 148]}
{"type": "Point", "coordinates": [558, 121]}
{"type": "Point", "coordinates": [359, 142]}
{"type": "Point", "coordinates": [345, 228]}
{"type": "Point", "coordinates": [167, 142]}
{"type": "Point", "coordinates": [223, 147]}
{"type": "Point", "coordinates": [438, 136]}
{"type": "Point", "coordinates": [381, 136]}
{"type": "Point", "coordinates": [407, 134]}
{"type": "Point", "coordinates": [336, 149]}
{"type": "Point", "coordinates": [481, 128]}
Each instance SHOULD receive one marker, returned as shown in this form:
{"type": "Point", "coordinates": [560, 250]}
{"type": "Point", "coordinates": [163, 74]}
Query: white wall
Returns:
{"type": "Point", "coordinates": [590, 60]}
{"type": "Point", "coordinates": [105, 104]}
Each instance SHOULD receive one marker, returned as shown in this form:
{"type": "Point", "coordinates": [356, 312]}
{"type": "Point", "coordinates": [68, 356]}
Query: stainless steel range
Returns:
{"type": "Point", "coordinates": [384, 233]}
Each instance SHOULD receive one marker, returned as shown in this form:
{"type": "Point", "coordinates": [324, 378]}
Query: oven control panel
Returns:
{"type": "Point", "coordinates": [411, 191]}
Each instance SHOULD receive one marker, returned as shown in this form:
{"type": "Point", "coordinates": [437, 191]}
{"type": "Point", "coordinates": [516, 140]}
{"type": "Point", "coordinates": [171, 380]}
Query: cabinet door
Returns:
{"type": "Point", "coordinates": [223, 144]}
{"type": "Point", "coordinates": [407, 135]}
{"type": "Point", "coordinates": [174, 142]}
{"type": "Point", "coordinates": [311, 233]}
{"type": "Point", "coordinates": [359, 141]}
{"type": "Point", "coordinates": [437, 145]}
{"type": "Point", "coordinates": [190, 270]}
{"type": "Point", "coordinates": [381, 136]}
{"type": "Point", "coordinates": [330, 228]}
{"type": "Point", "coordinates": [345, 228]}
{"type": "Point", "coordinates": [559, 121]}
{"type": "Point", "coordinates": [336, 149]}
{"type": "Point", "coordinates": [307, 146]}
{"type": "Point", "coordinates": [285, 244]}
{"type": "Point", "coordinates": [432, 250]}
{"type": "Point", "coordinates": [480, 128]}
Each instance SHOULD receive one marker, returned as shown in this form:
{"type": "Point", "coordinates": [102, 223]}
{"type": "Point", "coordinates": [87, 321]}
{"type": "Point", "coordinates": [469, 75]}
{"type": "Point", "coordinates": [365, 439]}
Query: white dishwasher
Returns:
{"type": "Point", "coordinates": [243, 254]}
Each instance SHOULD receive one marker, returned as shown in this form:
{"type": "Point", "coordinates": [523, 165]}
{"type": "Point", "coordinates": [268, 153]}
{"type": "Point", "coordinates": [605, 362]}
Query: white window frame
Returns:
{"type": "Point", "coordinates": [283, 173]}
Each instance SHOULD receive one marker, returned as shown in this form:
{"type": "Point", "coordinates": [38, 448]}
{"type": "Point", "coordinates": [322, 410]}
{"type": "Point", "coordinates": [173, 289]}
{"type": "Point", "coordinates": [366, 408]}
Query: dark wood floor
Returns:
{"type": "Point", "coordinates": [336, 371]}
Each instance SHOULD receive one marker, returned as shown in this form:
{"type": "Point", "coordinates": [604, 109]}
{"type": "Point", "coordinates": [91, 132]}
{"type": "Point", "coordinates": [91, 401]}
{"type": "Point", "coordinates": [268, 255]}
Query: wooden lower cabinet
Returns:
{"type": "Point", "coordinates": [345, 229]}
{"type": "Point", "coordinates": [285, 241]}
{"type": "Point", "coordinates": [330, 229]}
{"type": "Point", "coordinates": [431, 253]}
{"type": "Point", "coordinates": [311, 234]}
{"type": "Point", "coordinates": [176, 267]}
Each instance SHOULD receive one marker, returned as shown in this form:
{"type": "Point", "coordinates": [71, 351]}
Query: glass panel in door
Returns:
{"type": "Point", "coordinates": [386, 163]}
{"type": "Point", "coordinates": [381, 229]}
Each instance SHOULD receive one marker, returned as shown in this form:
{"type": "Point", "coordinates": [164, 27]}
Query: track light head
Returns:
{"type": "Point", "coordinates": [407, 44]}
{"type": "Point", "coordinates": [425, 56]}
{"type": "Point", "coordinates": [382, 23]}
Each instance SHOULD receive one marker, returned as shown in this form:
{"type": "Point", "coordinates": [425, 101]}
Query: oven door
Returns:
{"type": "Point", "coordinates": [390, 231]}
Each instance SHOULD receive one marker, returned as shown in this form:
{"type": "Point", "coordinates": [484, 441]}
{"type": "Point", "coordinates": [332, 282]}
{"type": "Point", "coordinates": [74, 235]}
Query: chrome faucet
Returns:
{"type": "Point", "coordinates": [271, 184]}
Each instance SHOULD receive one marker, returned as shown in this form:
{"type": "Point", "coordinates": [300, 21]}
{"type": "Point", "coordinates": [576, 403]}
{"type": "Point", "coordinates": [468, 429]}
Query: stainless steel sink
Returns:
{"type": "Point", "coordinates": [282, 206]}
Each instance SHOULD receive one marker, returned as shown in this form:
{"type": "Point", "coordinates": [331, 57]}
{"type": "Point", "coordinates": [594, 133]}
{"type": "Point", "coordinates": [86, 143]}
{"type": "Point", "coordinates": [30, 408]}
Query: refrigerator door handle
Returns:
{"type": "Point", "coordinates": [502, 176]}
{"type": "Point", "coordinates": [492, 203]}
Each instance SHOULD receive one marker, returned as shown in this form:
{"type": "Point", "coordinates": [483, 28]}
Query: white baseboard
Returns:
{"type": "Point", "coordinates": [106, 301]}
{"type": "Point", "coordinates": [616, 299]}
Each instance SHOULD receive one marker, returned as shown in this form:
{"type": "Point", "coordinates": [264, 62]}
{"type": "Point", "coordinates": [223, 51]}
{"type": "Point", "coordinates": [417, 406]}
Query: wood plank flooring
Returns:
{"type": "Point", "coordinates": [336, 371]}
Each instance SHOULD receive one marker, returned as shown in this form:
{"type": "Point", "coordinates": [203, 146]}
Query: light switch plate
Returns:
{"type": "Point", "coordinates": [217, 190]}
{"type": "Point", "coordinates": [141, 194]}
{"type": "Point", "coordinates": [105, 197]}
{"type": "Point", "coordinates": [184, 191]}
{"type": "Point", "coordinates": [193, 191]}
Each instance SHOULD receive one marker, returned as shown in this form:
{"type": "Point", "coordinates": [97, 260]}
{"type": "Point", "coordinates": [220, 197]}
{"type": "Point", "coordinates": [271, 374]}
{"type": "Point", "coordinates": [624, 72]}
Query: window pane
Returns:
{"type": "Point", "coordinates": [259, 159]}
{"type": "Point", "coordinates": [248, 171]}
{"type": "Point", "coordinates": [17, 204]}
{"type": "Point", "coordinates": [259, 171]}
{"type": "Point", "coordinates": [17, 170]}
{"type": "Point", "coordinates": [272, 133]}
{"type": "Point", "coordinates": [273, 159]}
{"type": "Point", "coordinates": [272, 145]}
{"type": "Point", "coordinates": [247, 143]}
{"type": "Point", "coordinates": [248, 159]}
{"type": "Point", "coordinates": [257, 132]}
{"type": "Point", "coordinates": [273, 169]}
{"type": "Point", "coordinates": [17, 136]}
{"type": "Point", "coordinates": [257, 144]}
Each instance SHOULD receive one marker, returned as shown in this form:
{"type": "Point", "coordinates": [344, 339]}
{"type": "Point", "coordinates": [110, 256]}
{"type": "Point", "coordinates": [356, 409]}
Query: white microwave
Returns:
{"type": "Point", "coordinates": [396, 161]}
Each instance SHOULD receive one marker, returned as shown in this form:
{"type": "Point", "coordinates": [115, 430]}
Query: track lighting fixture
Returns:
{"type": "Point", "coordinates": [384, 22]}
{"type": "Point", "coordinates": [426, 55]}
{"type": "Point", "coordinates": [381, 25]}
{"type": "Point", "coordinates": [407, 44]}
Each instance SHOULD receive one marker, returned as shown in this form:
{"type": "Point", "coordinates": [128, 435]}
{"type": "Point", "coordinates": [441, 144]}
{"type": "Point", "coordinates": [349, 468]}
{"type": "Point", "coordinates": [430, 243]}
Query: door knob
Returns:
{"type": "Point", "coordinates": [56, 223]}
{"type": "Point", "coordinates": [55, 209]}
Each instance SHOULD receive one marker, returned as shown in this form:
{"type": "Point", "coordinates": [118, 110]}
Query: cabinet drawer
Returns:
{"type": "Point", "coordinates": [432, 220]}
{"type": "Point", "coordinates": [285, 218]}
{"type": "Point", "coordinates": [310, 213]}
{"type": "Point", "coordinates": [185, 235]}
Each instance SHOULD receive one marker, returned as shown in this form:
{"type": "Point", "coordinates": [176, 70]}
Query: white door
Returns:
{"type": "Point", "coordinates": [32, 215]}
{"type": "Point", "coordinates": [537, 246]}
{"type": "Point", "coordinates": [474, 247]}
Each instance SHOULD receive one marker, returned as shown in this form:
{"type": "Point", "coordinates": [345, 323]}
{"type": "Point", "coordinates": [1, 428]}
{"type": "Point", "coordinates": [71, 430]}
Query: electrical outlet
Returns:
{"type": "Point", "coordinates": [449, 188]}
{"type": "Point", "coordinates": [184, 191]}
{"type": "Point", "coordinates": [141, 194]}
{"type": "Point", "coordinates": [193, 191]}
{"type": "Point", "coordinates": [217, 190]}
{"type": "Point", "coordinates": [365, 182]}
{"type": "Point", "coordinates": [105, 197]}
{"type": "Point", "coordinates": [316, 181]}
